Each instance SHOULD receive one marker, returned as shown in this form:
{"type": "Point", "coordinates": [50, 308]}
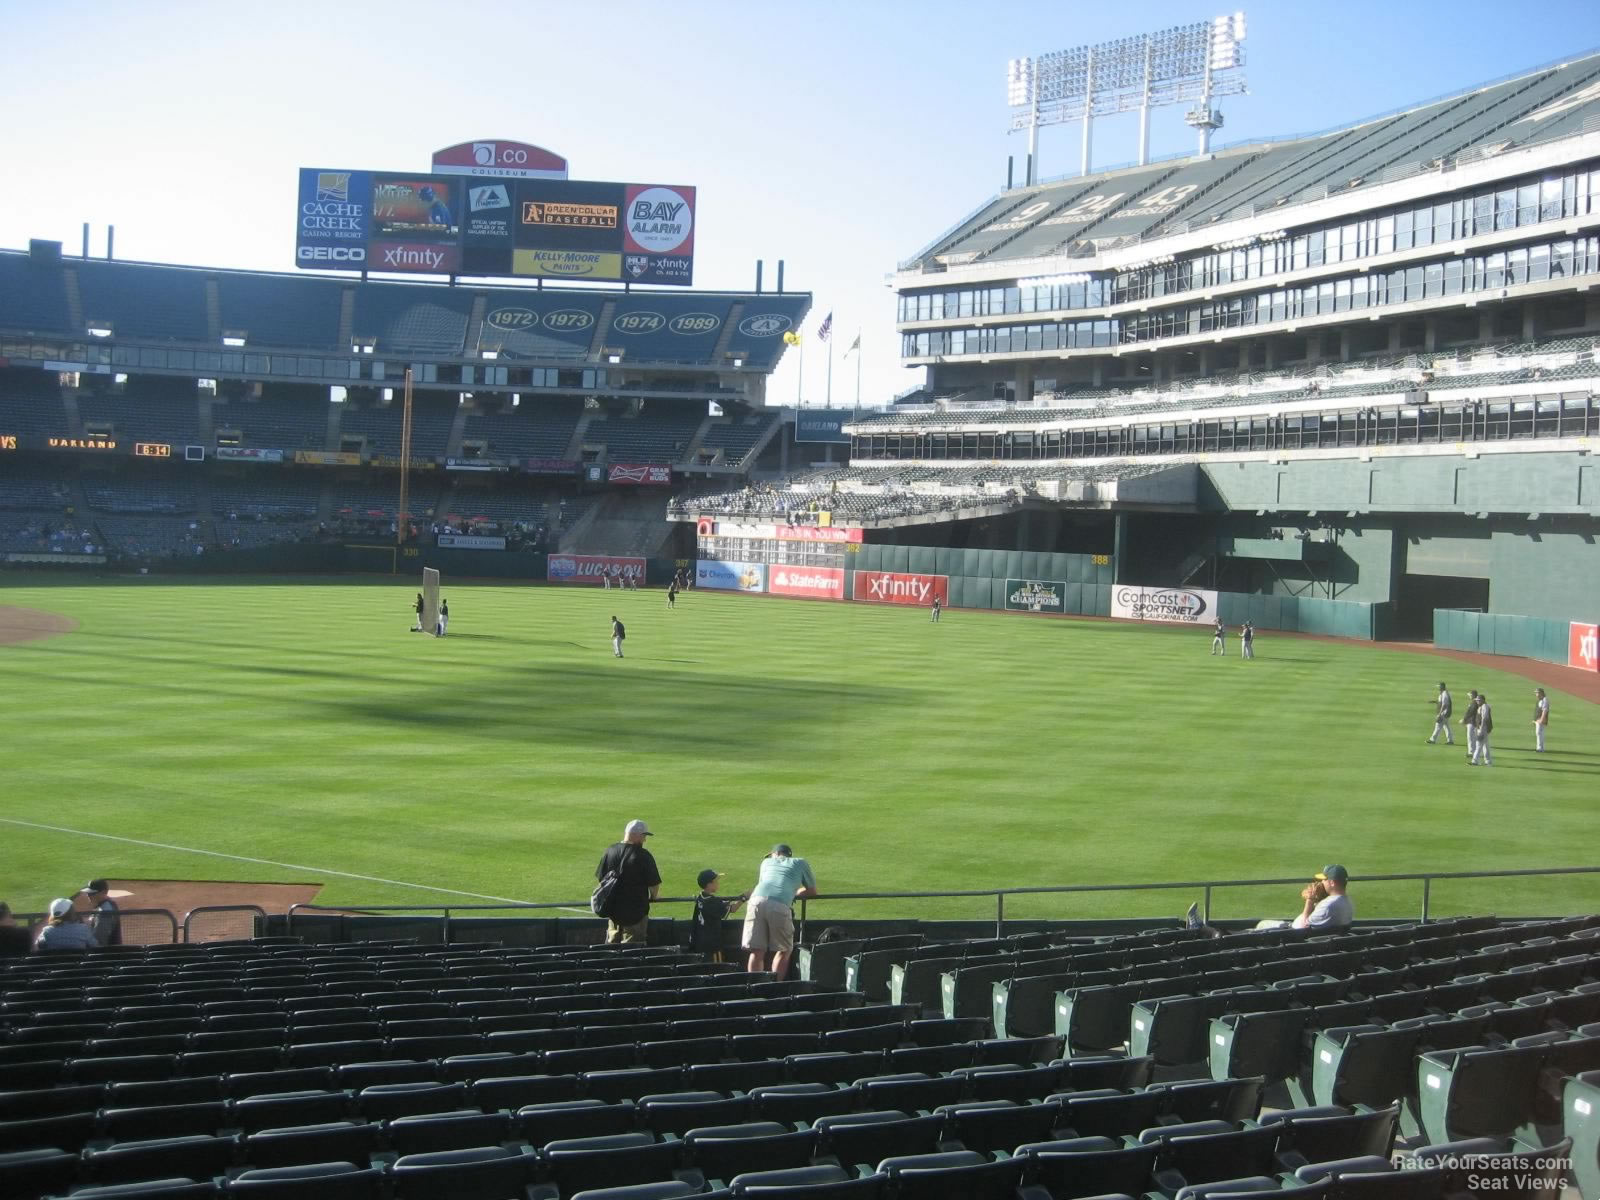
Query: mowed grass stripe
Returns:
{"type": "Point", "coordinates": [303, 723]}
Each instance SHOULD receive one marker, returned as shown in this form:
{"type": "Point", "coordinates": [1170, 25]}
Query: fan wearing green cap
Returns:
{"type": "Point", "coordinates": [1327, 906]}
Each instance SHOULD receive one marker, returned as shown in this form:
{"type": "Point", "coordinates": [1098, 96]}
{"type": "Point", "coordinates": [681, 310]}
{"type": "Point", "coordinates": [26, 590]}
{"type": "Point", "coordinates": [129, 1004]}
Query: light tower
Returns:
{"type": "Point", "coordinates": [1197, 62]}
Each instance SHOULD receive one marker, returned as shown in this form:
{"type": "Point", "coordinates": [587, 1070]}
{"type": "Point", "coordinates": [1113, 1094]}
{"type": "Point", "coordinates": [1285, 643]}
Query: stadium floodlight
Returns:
{"type": "Point", "coordinates": [1187, 63]}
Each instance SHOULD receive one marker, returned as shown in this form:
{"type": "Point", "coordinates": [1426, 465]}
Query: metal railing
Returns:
{"type": "Point", "coordinates": [1205, 887]}
{"type": "Point", "coordinates": [227, 929]}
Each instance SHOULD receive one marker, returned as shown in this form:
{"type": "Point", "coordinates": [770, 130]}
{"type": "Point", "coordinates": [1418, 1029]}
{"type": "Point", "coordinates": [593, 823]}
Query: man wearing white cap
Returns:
{"type": "Point", "coordinates": [64, 930]}
{"type": "Point", "coordinates": [638, 883]}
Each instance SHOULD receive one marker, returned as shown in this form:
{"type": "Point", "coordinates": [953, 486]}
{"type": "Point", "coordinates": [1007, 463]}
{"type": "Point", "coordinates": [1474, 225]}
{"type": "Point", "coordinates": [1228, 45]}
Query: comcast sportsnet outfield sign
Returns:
{"type": "Point", "coordinates": [1185, 606]}
{"type": "Point", "coordinates": [1036, 595]}
{"type": "Point", "coordinates": [888, 587]}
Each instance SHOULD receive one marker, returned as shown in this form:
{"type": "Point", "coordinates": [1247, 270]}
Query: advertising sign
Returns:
{"type": "Point", "coordinates": [637, 474]}
{"type": "Point", "coordinates": [712, 527]}
{"type": "Point", "coordinates": [1187, 606]}
{"type": "Point", "coordinates": [468, 541]}
{"type": "Point", "coordinates": [889, 587]}
{"type": "Point", "coordinates": [470, 216]}
{"type": "Point", "coordinates": [476, 464]}
{"type": "Point", "coordinates": [1583, 646]}
{"type": "Point", "coordinates": [820, 583]}
{"type": "Point", "coordinates": [729, 576]}
{"type": "Point", "coordinates": [327, 458]}
{"type": "Point", "coordinates": [551, 466]}
{"type": "Point", "coordinates": [565, 264]}
{"type": "Point", "coordinates": [822, 425]}
{"type": "Point", "coordinates": [499, 159]}
{"type": "Point", "coordinates": [8, 441]}
{"type": "Point", "coordinates": [590, 568]}
{"type": "Point", "coordinates": [247, 454]}
{"type": "Point", "coordinates": [332, 223]}
{"type": "Point", "coordinates": [1036, 595]}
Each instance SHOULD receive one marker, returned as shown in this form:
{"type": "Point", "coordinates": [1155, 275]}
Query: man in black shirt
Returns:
{"type": "Point", "coordinates": [103, 918]}
{"type": "Point", "coordinates": [618, 634]}
{"type": "Point", "coordinates": [638, 883]}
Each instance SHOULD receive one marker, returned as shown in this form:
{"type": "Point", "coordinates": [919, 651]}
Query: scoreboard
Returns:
{"type": "Point", "coordinates": [443, 224]}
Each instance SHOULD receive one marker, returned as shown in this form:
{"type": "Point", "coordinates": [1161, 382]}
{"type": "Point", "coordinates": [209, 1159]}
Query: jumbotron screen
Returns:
{"type": "Point", "coordinates": [456, 225]}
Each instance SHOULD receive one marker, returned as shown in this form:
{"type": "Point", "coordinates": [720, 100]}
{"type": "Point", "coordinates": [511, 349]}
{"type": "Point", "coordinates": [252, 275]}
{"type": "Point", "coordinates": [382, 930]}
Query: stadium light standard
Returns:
{"type": "Point", "coordinates": [1197, 62]}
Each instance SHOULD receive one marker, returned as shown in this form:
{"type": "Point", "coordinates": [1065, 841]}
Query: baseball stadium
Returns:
{"type": "Point", "coordinates": [1233, 555]}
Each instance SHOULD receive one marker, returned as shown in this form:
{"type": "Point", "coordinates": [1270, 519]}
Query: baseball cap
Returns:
{"type": "Point", "coordinates": [61, 907]}
{"type": "Point", "coordinates": [97, 885]}
{"type": "Point", "coordinates": [782, 848]}
{"type": "Point", "coordinates": [1334, 872]}
{"type": "Point", "coordinates": [707, 876]}
{"type": "Point", "coordinates": [637, 828]}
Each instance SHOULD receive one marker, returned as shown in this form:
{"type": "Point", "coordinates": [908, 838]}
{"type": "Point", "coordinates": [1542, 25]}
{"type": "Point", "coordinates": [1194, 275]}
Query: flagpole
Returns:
{"type": "Point", "coordinates": [858, 368]}
{"type": "Point", "coordinates": [800, 382]}
{"type": "Point", "coordinates": [830, 373]}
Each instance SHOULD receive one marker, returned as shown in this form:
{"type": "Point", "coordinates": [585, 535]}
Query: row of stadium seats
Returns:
{"type": "Point", "coordinates": [537, 1046]}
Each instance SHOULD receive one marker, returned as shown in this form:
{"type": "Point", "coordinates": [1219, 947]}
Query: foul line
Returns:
{"type": "Point", "coordinates": [266, 862]}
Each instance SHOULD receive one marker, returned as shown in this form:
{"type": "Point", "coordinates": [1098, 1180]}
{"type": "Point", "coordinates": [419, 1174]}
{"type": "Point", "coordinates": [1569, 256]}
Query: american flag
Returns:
{"type": "Point", "coordinates": [825, 328]}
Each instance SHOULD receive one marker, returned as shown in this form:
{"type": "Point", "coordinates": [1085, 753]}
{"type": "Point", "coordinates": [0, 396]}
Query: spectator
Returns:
{"type": "Point", "coordinates": [104, 918]}
{"type": "Point", "coordinates": [769, 923]}
{"type": "Point", "coordinates": [64, 930]}
{"type": "Point", "coordinates": [638, 883]}
{"type": "Point", "coordinates": [15, 940]}
{"type": "Point", "coordinates": [1327, 906]}
{"type": "Point", "coordinates": [705, 936]}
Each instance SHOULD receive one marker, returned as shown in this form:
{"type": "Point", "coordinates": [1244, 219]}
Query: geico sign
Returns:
{"type": "Point", "coordinates": [353, 254]}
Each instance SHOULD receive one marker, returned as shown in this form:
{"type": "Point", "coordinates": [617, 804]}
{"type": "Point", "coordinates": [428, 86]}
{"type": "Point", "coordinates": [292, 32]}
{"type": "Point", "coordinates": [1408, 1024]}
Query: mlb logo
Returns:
{"type": "Point", "coordinates": [333, 186]}
{"type": "Point", "coordinates": [636, 264]}
{"type": "Point", "coordinates": [492, 196]}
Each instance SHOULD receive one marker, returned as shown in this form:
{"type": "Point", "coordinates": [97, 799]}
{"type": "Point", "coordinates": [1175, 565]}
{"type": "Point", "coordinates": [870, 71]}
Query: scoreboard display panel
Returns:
{"type": "Point", "coordinates": [450, 225]}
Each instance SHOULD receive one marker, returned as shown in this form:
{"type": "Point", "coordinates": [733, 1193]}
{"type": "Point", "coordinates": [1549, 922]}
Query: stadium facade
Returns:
{"type": "Point", "coordinates": [149, 412]}
{"type": "Point", "coordinates": [1363, 363]}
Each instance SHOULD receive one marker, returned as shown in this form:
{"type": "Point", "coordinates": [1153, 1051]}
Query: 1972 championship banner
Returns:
{"type": "Point", "coordinates": [590, 569]}
{"type": "Point", "coordinates": [1186, 606]}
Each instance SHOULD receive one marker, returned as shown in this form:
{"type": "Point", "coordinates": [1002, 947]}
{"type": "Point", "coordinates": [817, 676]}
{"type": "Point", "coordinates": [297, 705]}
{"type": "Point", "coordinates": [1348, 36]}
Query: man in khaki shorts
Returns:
{"type": "Point", "coordinates": [769, 921]}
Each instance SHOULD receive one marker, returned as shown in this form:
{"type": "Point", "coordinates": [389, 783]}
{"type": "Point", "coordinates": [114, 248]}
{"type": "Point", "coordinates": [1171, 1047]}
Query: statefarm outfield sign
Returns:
{"type": "Point", "coordinates": [819, 583]}
{"type": "Point", "coordinates": [1188, 606]}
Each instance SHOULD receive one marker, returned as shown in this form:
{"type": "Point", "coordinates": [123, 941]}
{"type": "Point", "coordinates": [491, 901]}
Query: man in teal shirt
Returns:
{"type": "Point", "coordinates": [769, 921]}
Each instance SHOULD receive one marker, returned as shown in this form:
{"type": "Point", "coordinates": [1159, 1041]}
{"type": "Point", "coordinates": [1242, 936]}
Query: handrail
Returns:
{"type": "Point", "coordinates": [206, 909]}
{"type": "Point", "coordinates": [999, 894]}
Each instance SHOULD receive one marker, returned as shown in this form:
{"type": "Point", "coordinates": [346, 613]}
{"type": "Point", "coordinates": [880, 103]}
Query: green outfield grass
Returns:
{"type": "Point", "coordinates": [299, 722]}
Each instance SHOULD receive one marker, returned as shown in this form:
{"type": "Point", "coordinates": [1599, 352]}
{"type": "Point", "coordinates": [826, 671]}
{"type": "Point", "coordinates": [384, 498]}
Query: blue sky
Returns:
{"type": "Point", "coordinates": [840, 137]}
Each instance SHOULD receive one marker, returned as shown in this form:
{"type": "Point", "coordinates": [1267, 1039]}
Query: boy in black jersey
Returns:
{"type": "Point", "coordinates": [706, 935]}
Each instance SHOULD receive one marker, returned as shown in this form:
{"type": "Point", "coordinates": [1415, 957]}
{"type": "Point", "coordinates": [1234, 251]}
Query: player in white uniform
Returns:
{"type": "Point", "coordinates": [1541, 718]}
{"type": "Point", "coordinates": [1219, 640]}
{"type": "Point", "coordinates": [443, 624]}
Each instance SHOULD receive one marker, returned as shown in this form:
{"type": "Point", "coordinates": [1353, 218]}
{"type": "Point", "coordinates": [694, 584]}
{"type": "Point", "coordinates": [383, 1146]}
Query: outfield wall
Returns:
{"type": "Point", "coordinates": [1504, 633]}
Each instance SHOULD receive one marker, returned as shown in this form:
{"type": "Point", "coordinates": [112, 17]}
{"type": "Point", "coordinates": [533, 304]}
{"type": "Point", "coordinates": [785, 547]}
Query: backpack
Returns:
{"type": "Point", "coordinates": [600, 898]}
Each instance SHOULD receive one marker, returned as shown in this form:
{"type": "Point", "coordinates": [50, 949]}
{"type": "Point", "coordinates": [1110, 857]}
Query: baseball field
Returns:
{"type": "Point", "coordinates": [295, 730]}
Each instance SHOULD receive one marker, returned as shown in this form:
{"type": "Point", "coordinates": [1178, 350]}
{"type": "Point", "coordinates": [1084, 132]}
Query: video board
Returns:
{"type": "Point", "coordinates": [527, 228]}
